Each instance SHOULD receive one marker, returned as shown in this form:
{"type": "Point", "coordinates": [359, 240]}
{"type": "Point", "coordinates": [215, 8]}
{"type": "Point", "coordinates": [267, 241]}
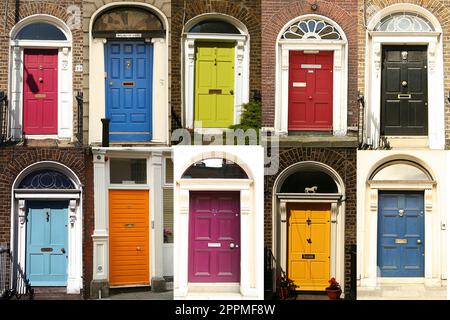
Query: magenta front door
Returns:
{"type": "Point", "coordinates": [40, 91]}
{"type": "Point", "coordinates": [214, 237]}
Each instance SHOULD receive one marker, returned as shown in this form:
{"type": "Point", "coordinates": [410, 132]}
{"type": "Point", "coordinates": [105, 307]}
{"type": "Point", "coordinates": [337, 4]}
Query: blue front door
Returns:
{"type": "Point", "coordinates": [129, 68]}
{"type": "Point", "coordinates": [401, 234]}
{"type": "Point", "coordinates": [46, 250]}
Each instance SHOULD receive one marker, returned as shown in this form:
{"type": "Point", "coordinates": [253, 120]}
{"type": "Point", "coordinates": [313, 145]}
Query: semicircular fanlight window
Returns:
{"type": "Point", "coordinates": [46, 179]}
{"type": "Point", "coordinates": [404, 22]}
{"type": "Point", "coordinates": [311, 29]}
{"type": "Point", "coordinates": [214, 168]}
{"type": "Point", "coordinates": [309, 182]}
{"type": "Point", "coordinates": [40, 31]}
{"type": "Point", "coordinates": [401, 171]}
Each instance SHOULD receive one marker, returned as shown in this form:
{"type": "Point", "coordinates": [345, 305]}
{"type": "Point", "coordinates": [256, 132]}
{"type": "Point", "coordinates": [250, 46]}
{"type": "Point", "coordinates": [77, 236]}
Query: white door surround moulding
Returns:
{"type": "Point", "coordinates": [65, 90]}
{"type": "Point", "coordinates": [436, 100]}
{"type": "Point", "coordinates": [160, 80]}
{"type": "Point", "coordinates": [241, 67]}
{"type": "Point", "coordinates": [369, 275]}
{"type": "Point", "coordinates": [75, 222]}
{"type": "Point", "coordinates": [340, 75]}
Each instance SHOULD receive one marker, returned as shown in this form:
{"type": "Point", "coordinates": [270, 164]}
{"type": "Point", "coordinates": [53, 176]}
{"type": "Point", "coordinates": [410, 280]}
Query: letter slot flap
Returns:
{"type": "Point", "coordinates": [214, 244]}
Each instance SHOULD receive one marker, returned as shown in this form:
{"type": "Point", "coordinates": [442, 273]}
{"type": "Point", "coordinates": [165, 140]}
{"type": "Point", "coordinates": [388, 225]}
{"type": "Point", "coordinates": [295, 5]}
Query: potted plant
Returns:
{"type": "Point", "coordinates": [334, 289]}
{"type": "Point", "coordinates": [287, 287]}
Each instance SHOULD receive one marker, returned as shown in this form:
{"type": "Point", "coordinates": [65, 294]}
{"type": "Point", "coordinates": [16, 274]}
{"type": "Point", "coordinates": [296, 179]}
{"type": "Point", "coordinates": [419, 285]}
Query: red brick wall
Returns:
{"type": "Point", "coordinates": [246, 11]}
{"type": "Point", "coordinates": [343, 160]}
{"type": "Point", "coordinates": [275, 15]}
{"type": "Point", "coordinates": [18, 10]}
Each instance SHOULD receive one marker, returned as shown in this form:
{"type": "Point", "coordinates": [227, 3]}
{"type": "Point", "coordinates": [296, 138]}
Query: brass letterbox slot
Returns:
{"type": "Point", "coordinates": [46, 249]}
{"type": "Point", "coordinates": [308, 256]}
{"type": "Point", "coordinates": [401, 241]}
{"type": "Point", "coordinates": [403, 96]}
{"type": "Point", "coordinates": [215, 91]}
{"type": "Point", "coordinates": [129, 225]}
{"type": "Point", "coordinates": [40, 95]}
{"type": "Point", "coordinates": [128, 84]}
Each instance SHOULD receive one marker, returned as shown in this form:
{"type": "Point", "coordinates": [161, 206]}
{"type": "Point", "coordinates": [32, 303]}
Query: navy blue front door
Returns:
{"type": "Point", "coordinates": [129, 68]}
{"type": "Point", "coordinates": [401, 234]}
{"type": "Point", "coordinates": [47, 243]}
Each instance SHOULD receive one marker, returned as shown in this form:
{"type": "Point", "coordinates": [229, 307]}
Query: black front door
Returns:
{"type": "Point", "coordinates": [404, 98]}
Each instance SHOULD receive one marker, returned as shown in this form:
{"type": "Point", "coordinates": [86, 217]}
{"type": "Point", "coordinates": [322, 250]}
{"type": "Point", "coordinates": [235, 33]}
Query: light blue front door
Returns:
{"type": "Point", "coordinates": [129, 68]}
{"type": "Point", "coordinates": [401, 234]}
{"type": "Point", "coordinates": [47, 243]}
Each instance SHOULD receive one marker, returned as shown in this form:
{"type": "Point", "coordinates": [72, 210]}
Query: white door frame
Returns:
{"type": "Point", "coordinates": [75, 221]}
{"type": "Point", "coordinates": [241, 67]}
{"type": "Point", "coordinates": [432, 221]}
{"type": "Point", "coordinates": [337, 219]}
{"type": "Point", "coordinates": [160, 80]}
{"type": "Point", "coordinates": [340, 74]}
{"type": "Point", "coordinates": [433, 40]}
{"type": "Point", "coordinates": [65, 97]}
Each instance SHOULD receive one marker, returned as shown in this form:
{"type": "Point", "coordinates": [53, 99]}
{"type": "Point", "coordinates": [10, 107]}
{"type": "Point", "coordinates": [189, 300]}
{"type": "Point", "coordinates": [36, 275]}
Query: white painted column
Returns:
{"type": "Point", "coordinates": [74, 245]}
{"type": "Point", "coordinates": [21, 242]}
{"type": "Point", "coordinates": [65, 98]}
{"type": "Point", "coordinates": [333, 238]}
{"type": "Point", "coordinates": [373, 110]}
{"type": "Point", "coordinates": [160, 111]}
{"type": "Point", "coordinates": [283, 236]}
{"type": "Point", "coordinates": [339, 100]}
{"type": "Point", "coordinates": [189, 83]}
{"type": "Point", "coordinates": [100, 236]}
{"type": "Point", "coordinates": [239, 98]}
{"type": "Point", "coordinates": [371, 241]}
{"type": "Point", "coordinates": [96, 97]}
{"type": "Point", "coordinates": [156, 215]}
{"type": "Point", "coordinates": [181, 229]}
{"type": "Point", "coordinates": [16, 95]}
{"type": "Point", "coordinates": [248, 250]}
{"type": "Point", "coordinates": [429, 243]}
{"type": "Point", "coordinates": [284, 99]}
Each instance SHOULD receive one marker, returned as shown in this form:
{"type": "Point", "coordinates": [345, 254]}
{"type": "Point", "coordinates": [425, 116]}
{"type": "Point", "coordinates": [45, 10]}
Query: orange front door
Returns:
{"type": "Point", "coordinates": [309, 245]}
{"type": "Point", "coordinates": [128, 237]}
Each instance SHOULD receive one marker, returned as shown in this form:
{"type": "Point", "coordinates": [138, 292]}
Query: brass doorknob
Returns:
{"type": "Point", "coordinates": [41, 80]}
{"type": "Point", "coordinates": [310, 97]}
{"type": "Point", "coordinates": [419, 241]}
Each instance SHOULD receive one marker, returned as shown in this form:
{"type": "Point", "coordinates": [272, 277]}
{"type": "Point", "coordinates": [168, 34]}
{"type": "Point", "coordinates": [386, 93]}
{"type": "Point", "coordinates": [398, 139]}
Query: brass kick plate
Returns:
{"type": "Point", "coordinates": [215, 91]}
{"type": "Point", "coordinates": [400, 241]}
{"type": "Point", "coordinates": [404, 96]}
{"type": "Point", "coordinates": [46, 249]}
{"type": "Point", "coordinates": [308, 256]}
{"type": "Point", "coordinates": [128, 84]}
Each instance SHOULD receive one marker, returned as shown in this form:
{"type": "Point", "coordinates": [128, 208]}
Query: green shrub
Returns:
{"type": "Point", "coordinates": [250, 117]}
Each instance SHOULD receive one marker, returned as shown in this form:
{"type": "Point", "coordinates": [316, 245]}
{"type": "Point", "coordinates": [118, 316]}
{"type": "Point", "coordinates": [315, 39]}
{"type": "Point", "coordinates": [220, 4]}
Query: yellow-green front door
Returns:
{"type": "Point", "coordinates": [214, 84]}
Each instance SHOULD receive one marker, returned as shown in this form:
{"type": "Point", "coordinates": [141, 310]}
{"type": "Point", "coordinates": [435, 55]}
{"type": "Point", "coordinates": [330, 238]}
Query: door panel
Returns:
{"type": "Point", "coordinates": [214, 84]}
{"type": "Point", "coordinates": [401, 234]}
{"type": "Point", "coordinates": [309, 246]}
{"type": "Point", "coordinates": [310, 91]}
{"type": "Point", "coordinates": [214, 227]}
{"type": "Point", "coordinates": [47, 243]}
{"type": "Point", "coordinates": [40, 91]}
{"type": "Point", "coordinates": [129, 237]}
{"type": "Point", "coordinates": [129, 68]}
{"type": "Point", "coordinates": [404, 92]}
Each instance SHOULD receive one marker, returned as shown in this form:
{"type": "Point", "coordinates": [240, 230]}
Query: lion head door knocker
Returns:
{"type": "Point", "coordinates": [405, 55]}
{"type": "Point", "coordinates": [404, 83]}
{"type": "Point", "coordinates": [311, 189]}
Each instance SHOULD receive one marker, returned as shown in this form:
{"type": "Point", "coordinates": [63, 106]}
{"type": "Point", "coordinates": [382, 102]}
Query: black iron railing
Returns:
{"type": "Point", "coordinates": [79, 98]}
{"type": "Point", "coordinates": [3, 118]}
{"type": "Point", "coordinates": [17, 286]}
{"type": "Point", "coordinates": [176, 121]}
{"type": "Point", "coordinates": [361, 119]}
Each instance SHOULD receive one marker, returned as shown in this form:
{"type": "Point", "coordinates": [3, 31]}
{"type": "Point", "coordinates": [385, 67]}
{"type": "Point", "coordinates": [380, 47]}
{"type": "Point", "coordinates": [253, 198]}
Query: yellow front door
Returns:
{"type": "Point", "coordinates": [309, 245]}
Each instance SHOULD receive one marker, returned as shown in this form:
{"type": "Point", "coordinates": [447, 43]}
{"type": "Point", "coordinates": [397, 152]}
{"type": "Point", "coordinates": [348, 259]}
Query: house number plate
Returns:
{"type": "Point", "coordinates": [308, 256]}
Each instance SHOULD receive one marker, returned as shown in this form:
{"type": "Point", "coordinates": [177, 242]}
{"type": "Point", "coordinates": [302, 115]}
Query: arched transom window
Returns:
{"type": "Point", "coordinates": [214, 26]}
{"type": "Point", "coordinates": [214, 168]}
{"type": "Point", "coordinates": [401, 171]}
{"type": "Point", "coordinates": [306, 181]}
{"type": "Point", "coordinates": [404, 22]}
{"type": "Point", "coordinates": [315, 29]}
{"type": "Point", "coordinates": [46, 179]}
{"type": "Point", "coordinates": [40, 31]}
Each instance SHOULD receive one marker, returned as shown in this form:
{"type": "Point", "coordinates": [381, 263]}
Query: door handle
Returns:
{"type": "Point", "coordinates": [138, 248]}
{"type": "Point", "coordinates": [63, 250]}
{"type": "Point", "coordinates": [419, 241]}
{"type": "Point", "coordinates": [310, 97]}
{"type": "Point", "coordinates": [231, 92]}
{"type": "Point", "coordinates": [309, 241]}
{"type": "Point", "coordinates": [41, 80]}
{"type": "Point", "coordinates": [231, 245]}
{"type": "Point", "coordinates": [110, 83]}
{"type": "Point", "coordinates": [401, 212]}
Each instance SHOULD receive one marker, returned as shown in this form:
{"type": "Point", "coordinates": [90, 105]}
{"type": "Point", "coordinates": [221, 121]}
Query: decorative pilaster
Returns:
{"type": "Point", "coordinates": [189, 83]}
{"type": "Point", "coordinates": [377, 58]}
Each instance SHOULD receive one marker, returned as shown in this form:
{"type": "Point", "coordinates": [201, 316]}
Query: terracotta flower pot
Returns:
{"type": "Point", "coordinates": [334, 294]}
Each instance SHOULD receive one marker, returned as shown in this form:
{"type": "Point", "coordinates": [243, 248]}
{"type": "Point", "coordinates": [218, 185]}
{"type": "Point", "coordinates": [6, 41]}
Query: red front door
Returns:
{"type": "Point", "coordinates": [40, 91]}
{"type": "Point", "coordinates": [310, 91]}
{"type": "Point", "coordinates": [214, 237]}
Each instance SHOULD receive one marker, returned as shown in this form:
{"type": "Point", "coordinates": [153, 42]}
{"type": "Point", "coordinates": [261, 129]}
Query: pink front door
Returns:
{"type": "Point", "coordinates": [40, 91]}
{"type": "Point", "coordinates": [214, 237]}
